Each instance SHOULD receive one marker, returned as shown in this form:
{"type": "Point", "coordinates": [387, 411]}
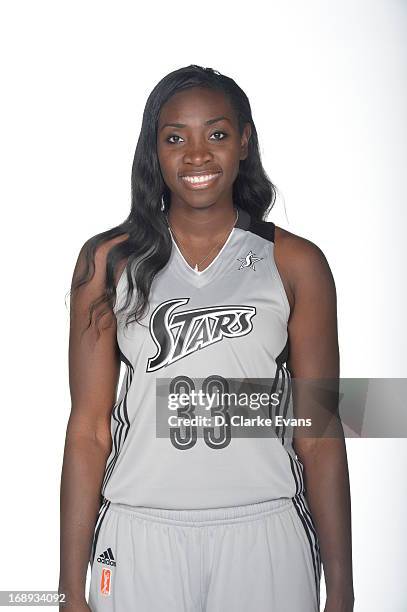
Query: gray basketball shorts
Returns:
{"type": "Point", "coordinates": [263, 557]}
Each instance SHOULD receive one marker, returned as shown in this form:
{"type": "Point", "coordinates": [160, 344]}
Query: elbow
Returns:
{"type": "Point", "coordinates": [82, 432]}
{"type": "Point", "coordinates": [318, 449]}
{"type": "Point", "coordinates": [305, 447]}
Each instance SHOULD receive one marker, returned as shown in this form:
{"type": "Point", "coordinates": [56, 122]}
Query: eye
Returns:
{"type": "Point", "coordinates": [170, 140]}
{"type": "Point", "coordinates": [172, 136]}
{"type": "Point", "coordinates": [224, 135]}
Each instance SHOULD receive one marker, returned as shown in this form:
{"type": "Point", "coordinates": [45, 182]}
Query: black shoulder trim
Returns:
{"type": "Point", "coordinates": [264, 229]}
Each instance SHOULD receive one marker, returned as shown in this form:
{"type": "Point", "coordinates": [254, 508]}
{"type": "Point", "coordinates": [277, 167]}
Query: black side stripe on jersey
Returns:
{"type": "Point", "coordinates": [297, 470]}
{"type": "Point", "coordinates": [282, 387]}
{"type": "Point", "coordinates": [124, 359]}
{"type": "Point", "coordinates": [120, 416]}
{"type": "Point", "coordinates": [287, 400]}
{"type": "Point", "coordinates": [283, 356]}
{"type": "Point", "coordinates": [102, 513]}
{"type": "Point", "coordinates": [120, 428]}
{"type": "Point", "coordinates": [281, 383]}
{"type": "Point", "coordinates": [120, 424]}
{"type": "Point", "coordinates": [273, 390]}
{"type": "Point", "coordinates": [279, 361]}
{"type": "Point", "coordinates": [306, 520]}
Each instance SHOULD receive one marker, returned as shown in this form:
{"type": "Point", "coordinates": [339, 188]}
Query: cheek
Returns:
{"type": "Point", "coordinates": [229, 156]}
{"type": "Point", "coordinates": [160, 155]}
{"type": "Point", "coordinates": [167, 164]}
{"type": "Point", "coordinates": [230, 165]}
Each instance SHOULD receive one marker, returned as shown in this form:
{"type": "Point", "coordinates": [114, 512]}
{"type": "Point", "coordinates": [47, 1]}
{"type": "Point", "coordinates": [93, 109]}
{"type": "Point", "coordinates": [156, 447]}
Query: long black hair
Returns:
{"type": "Point", "coordinates": [146, 240]}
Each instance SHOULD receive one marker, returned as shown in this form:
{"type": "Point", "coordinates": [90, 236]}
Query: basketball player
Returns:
{"type": "Point", "coordinates": [194, 291]}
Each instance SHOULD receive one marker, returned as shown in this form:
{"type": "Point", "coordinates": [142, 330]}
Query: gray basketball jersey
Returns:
{"type": "Point", "coordinates": [204, 332]}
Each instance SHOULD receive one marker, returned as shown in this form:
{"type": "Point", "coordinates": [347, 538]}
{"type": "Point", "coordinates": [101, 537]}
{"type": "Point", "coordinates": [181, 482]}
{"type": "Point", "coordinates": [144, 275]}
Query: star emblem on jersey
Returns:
{"type": "Point", "coordinates": [249, 261]}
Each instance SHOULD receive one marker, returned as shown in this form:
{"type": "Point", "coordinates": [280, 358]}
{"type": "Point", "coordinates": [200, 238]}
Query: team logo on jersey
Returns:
{"type": "Point", "coordinates": [107, 557]}
{"type": "Point", "coordinates": [249, 261]}
{"type": "Point", "coordinates": [178, 334]}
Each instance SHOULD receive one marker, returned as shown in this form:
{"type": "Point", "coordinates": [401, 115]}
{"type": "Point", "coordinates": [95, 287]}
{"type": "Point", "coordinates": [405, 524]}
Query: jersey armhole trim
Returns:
{"type": "Point", "coordinates": [120, 282]}
{"type": "Point", "coordinates": [276, 276]}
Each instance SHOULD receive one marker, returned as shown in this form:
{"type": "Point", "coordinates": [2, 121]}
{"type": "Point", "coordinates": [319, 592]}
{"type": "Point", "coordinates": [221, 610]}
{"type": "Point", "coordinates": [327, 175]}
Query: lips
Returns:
{"type": "Point", "coordinates": [200, 172]}
{"type": "Point", "coordinates": [200, 178]}
{"type": "Point", "coordinates": [200, 181]}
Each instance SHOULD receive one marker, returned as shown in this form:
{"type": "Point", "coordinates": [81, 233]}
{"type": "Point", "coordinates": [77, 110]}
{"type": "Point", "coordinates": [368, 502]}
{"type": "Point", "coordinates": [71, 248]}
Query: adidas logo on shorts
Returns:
{"type": "Point", "coordinates": [107, 558]}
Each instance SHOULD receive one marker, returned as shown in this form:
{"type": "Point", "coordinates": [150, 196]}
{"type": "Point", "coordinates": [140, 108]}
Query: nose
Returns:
{"type": "Point", "coordinates": [197, 154]}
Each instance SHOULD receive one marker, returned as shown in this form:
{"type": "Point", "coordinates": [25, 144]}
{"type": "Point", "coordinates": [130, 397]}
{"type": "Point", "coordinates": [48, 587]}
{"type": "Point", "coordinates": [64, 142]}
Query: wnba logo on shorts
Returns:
{"type": "Point", "coordinates": [105, 581]}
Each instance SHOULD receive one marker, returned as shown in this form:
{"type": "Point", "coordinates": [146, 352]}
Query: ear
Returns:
{"type": "Point", "coordinates": [244, 141]}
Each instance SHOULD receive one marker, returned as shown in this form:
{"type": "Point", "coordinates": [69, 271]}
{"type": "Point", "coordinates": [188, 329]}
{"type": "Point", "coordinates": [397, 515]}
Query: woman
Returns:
{"type": "Point", "coordinates": [197, 294]}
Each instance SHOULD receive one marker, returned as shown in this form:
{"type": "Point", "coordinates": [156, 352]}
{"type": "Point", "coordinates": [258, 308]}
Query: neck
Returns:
{"type": "Point", "coordinates": [204, 225]}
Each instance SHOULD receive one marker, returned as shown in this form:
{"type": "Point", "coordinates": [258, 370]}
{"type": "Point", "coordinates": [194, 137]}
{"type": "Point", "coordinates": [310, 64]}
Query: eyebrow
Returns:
{"type": "Point", "coordinates": [182, 125]}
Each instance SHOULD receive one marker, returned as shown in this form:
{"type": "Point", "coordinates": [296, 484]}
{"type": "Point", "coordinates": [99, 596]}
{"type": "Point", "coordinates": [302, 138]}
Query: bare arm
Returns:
{"type": "Point", "coordinates": [314, 354]}
{"type": "Point", "coordinates": [94, 368]}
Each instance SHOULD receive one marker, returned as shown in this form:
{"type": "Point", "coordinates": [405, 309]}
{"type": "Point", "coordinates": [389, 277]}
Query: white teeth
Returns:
{"type": "Point", "coordinates": [199, 179]}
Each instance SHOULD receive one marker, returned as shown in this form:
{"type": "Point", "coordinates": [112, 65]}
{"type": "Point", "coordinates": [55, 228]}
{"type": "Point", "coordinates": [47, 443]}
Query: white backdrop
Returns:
{"type": "Point", "coordinates": [327, 85]}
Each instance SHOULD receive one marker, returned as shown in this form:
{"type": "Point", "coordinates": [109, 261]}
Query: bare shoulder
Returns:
{"type": "Point", "coordinates": [297, 249]}
{"type": "Point", "coordinates": [301, 263]}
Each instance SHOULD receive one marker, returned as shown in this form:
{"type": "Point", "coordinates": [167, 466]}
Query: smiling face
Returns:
{"type": "Point", "coordinates": [199, 147]}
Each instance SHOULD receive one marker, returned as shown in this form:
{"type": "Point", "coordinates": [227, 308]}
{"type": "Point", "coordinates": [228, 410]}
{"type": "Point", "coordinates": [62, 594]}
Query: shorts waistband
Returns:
{"type": "Point", "coordinates": [206, 516]}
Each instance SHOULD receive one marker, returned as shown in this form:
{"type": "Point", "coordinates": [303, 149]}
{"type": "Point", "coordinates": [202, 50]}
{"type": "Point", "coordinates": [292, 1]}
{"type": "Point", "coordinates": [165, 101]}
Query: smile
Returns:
{"type": "Point", "coordinates": [200, 180]}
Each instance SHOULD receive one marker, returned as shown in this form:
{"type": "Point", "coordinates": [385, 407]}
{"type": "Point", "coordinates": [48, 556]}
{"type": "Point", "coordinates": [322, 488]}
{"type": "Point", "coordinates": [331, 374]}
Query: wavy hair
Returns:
{"type": "Point", "coordinates": [148, 245]}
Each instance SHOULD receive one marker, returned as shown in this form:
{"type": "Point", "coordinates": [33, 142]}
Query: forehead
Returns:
{"type": "Point", "coordinates": [195, 105]}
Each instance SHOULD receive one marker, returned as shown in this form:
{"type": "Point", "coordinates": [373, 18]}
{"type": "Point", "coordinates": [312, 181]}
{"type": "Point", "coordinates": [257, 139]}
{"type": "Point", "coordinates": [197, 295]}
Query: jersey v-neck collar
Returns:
{"type": "Point", "coordinates": [201, 278]}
